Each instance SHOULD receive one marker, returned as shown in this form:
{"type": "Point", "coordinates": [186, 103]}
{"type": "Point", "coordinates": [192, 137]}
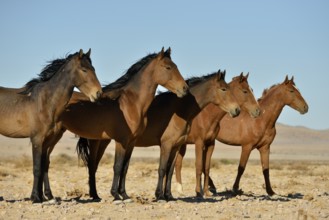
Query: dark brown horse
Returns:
{"type": "Point", "coordinates": [124, 118]}
{"type": "Point", "coordinates": [251, 133]}
{"type": "Point", "coordinates": [33, 111]}
{"type": "Point", "coordinates": [169, 120]}
{"type": "Point", "coordinates": [205, 128]}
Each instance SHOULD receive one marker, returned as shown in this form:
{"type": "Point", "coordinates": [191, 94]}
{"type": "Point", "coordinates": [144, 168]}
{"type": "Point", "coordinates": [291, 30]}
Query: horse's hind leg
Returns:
{"type": "Point", "coordinates": [245, 153]}
{"type": "Point", "coordinates": [96, 149]}
{"type": "Point", "coordinates": [178, 167]}
{"type": "Point", "coordinates": [122, 183]}
{"type": "Point", "coordinates": [265, 159]}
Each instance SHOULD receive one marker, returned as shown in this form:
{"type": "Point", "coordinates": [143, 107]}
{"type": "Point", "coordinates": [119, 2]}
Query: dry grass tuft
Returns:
{"type": "Point", "coordinates": [64, 159]}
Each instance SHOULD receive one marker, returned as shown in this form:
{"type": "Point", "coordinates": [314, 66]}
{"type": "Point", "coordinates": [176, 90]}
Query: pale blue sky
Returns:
{"type": "Point", "coordinates": [269, 39]}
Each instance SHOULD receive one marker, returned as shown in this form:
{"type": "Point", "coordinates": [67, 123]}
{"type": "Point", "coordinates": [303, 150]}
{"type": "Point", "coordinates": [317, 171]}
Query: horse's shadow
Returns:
{"type": "Point", "coordinates": [229, 194]}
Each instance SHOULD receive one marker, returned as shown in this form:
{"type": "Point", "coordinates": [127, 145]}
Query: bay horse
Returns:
{"type": "Point", "coordinates": [205, 128]}
{"type": "Point", "coordinates": [121, 112]}
{"type": "Point", "coordinates": [259, 133]}
{"type": "Point", "coordinates": [168, 123]}
{"type": "Point", "coordinates": [33, 110]}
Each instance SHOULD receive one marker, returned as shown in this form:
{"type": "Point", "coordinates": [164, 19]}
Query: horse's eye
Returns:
{"type": "Point", "coordinates": [245, 91]}
{"type": "Point", "coordinates": [84, 70]}
{"type": "Point", "coordinates": [223, 89]}
{"type": "Point", "coordinates": [168, 67]}
{"type": "Point", "coordinates": [291, 91]}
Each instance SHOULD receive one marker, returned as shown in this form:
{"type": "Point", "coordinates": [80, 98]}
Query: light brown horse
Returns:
{"type": "Point", "coordinates": [205, 128]}
{"type": "Point", "coordinates": [168, 124]}
{"type": "Point", "coordinates": [33, 111]}
{"type": "Point", "coordinates": [259, 133]}
{"type": "Point", "coordinates": [124, 118]}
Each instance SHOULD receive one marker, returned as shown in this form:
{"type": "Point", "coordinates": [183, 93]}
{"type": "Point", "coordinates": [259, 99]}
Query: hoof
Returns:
{"type": "Point", "coordinates": [236, 192]}
{"type": "Point", "coordinates": [129, 200]}
{"type": "Point", "coordinates": [161, 201]}
{"type": "Point", "coordinates": [51, 202]}
{"type": "Point", "coordinates": [36, 199]}
{"type": "Point", "coordinates": [199, 195]}
{"type": "Point", "coordinates": [117, 202]}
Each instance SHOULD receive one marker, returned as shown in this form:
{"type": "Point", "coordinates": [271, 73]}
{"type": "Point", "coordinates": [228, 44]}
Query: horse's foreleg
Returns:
{"type": "Point", "coordinates": [198, 166]}
{"type": "Point", "coordinates": [245, 153]}
{"type": "Point", "coordinates": [178, 167]}
{"type": "Point", "coordinates": [122, 183]}
{"type": "Point", "coordinates": [49, 147]}
{"type": "Point", "coordinates": [162, 170]}
{"type": "Point", "coordinates": [207, 160]}
{"type": "Point", "coordinates": [117, 169]}
{"type": "Point", "coordinates": [170, 171]}
{"type": "Point", "coordinates": [265, 159]}
{"type": "Point", "coordinates": [38, 172]}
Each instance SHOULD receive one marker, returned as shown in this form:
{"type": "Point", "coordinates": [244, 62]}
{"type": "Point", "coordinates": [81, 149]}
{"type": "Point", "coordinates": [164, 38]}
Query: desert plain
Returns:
{"type": "Point", "coordinates": [299, 172]}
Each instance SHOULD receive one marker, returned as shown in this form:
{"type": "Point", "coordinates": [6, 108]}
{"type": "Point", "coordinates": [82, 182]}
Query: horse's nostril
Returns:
{"type": "Point", "coordinates": [237, 111]}
{"type": "Point", "coordinates": [306, 108]}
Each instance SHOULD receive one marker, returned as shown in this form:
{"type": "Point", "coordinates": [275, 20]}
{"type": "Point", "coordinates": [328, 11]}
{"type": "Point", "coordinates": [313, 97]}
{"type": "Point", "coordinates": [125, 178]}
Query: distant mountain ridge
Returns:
{"type": "Point", "coordinates": [299, 135]}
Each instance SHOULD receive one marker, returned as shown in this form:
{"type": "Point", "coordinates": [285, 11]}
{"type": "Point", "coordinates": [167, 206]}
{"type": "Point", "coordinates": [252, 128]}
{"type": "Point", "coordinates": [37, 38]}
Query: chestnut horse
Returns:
{"type": "Point", "coordinates": [205, 128]}
{"type": "Point", "coordinates": [33, 111]}
{"type": "Point", "coordinates": [251, 133]}
{"type": "Point", "coordinates": [168, 124]}
{"type": "Point", "coordinates": [124, 118]}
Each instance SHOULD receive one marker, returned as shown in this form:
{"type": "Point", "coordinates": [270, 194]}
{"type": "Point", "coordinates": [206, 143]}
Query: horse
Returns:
{"type": "Point", "coordinates": [259, 133]}
{"type": "Point", "coordinates": [120, 114]}
{"type": "Point", "coordinates": [168, 124]}
{"type": "Point", "coordinates": [33, 111]}
{"type": "Point", "coordinates": [204, 130]}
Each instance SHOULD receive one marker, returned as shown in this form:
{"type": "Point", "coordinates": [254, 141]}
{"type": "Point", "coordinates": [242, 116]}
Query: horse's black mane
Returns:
{"type": "Point", "coordinates": [192, 81]}
{"type": "Point", "coordinates": [133, 70]}
{"type": "Point", "coordinates": [265, 92]}
{"type": "Point", "coordinates": [48, 72]}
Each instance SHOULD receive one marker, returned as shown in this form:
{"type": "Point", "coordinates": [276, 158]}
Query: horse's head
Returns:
{"type": "Point", "coordinates": [244, 95]}
{"type": "Point", "coordinates": [85, 78]}
{"type": "Point", "coordinates": [293, 97]}
{"type": "Point", "coordinates": [224, 95]}
{"type": "Point", "coordinates": [167, 74]}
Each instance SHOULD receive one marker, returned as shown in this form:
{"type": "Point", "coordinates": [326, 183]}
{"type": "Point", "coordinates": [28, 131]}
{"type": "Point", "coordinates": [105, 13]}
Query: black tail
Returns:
{"type": "Point", "coordinates": [83, 150]}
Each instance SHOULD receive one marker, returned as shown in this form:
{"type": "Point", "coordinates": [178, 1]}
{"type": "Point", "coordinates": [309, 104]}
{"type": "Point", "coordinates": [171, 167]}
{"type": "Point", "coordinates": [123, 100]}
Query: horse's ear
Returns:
{"type": "Point", "coordinates": [286, 80]}
{"type": "Point", "coordinates": [88, 53]}
{"type": "Point", "coordinates": [247, 75]}
{"type": "Point", "coordinates": [80, 53]}
{"type": "Point", "coordinates": [223, 75]}
{"type": "Point", "coordinates": [168, 52]}
{"type": "Point", "coordinates": [241, 77]}
{"type": "Point", "coordinates": [161, 54]}
{"type": "Point", "coordinates": [292, 79]}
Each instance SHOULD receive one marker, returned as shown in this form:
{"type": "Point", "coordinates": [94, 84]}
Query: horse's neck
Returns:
{"type": "Point", "coordinates": [57, 92]}
{"type": "Point", "coordinates": [139, 92]}
{"type": "Point", "coordinates": [193, 103]}
{"type": "Point", "coordinates": [272, 106]}
{"type": "Point", "coordinates": [136, 99]}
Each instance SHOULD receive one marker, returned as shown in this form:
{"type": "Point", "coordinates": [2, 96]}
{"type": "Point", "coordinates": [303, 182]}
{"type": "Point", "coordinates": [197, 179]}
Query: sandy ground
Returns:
{"type": "Point", "coordinates": [300, 177]}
